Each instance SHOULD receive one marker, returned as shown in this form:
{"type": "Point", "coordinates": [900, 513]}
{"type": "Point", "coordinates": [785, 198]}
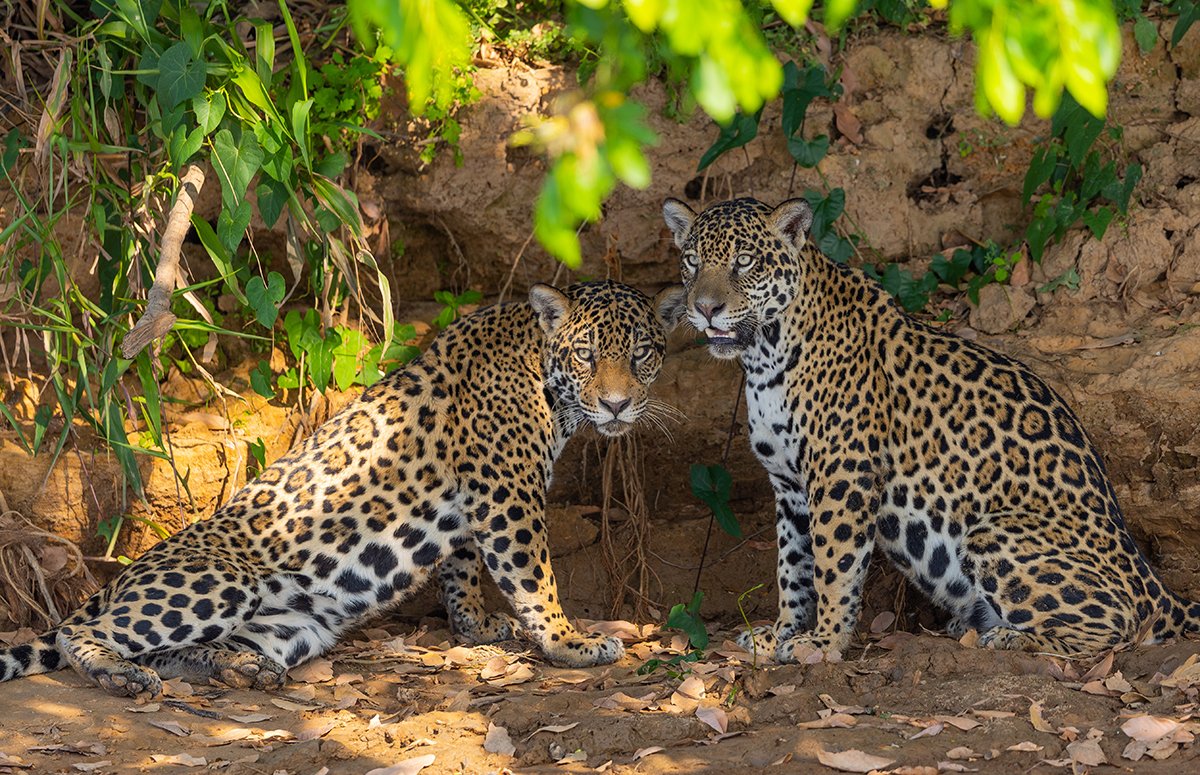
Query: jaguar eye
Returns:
{"type": "Point", "coordinates": [691, 262]}
{"type": "Point", "coordinates": [642, 352]}
{"type": "Point", "coordinates": [584, 354]}
{"type": "Point", "coordinates": [744, 261]}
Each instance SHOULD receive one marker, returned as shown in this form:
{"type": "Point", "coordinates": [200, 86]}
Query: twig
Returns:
{"type": "Point", "coordinates": [157, 318]}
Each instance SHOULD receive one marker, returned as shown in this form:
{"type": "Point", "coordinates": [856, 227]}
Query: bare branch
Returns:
{"type": "Point", "coordinates": [157, 319]}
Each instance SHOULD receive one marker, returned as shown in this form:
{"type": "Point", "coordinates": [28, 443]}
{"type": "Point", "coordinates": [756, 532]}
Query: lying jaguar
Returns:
{"type": "Point", "coordinates": [440, 465]}
{"type": "Point", "coordinates": [974, 476]}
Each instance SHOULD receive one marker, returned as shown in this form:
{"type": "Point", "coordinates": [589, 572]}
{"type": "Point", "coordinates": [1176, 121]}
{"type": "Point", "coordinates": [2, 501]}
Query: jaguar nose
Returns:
{"type": "Point", "coordinates": [709, 309]}
{"type": "Point", "coordinates": [616, 406]}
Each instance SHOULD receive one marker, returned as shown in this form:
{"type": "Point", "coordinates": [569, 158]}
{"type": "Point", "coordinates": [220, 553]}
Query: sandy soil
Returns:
{"type": "Point", "coordinates": [399, 697]}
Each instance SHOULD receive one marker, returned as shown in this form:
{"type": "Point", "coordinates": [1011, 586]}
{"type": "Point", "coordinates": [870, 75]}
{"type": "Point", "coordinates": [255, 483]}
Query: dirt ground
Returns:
{"type": "Point", "coordinates": [927, 175]}
{"type": "Point", "coordinates": [393, 699]}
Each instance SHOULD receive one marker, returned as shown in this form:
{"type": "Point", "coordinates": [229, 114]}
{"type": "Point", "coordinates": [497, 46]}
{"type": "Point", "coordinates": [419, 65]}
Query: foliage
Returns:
{"type": "Point", "coordinates": [711, 484]}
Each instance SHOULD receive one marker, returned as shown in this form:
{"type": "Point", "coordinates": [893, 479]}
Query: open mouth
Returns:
{"type": "Point", "coordinates": [720, 336]}
{"type": "Point", "coordinates": [614, 427]}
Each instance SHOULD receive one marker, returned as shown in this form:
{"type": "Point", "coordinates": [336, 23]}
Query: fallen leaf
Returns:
{"type": "Point", "coordinates": [918, 770]}
{"type": "Point", "coordinates": [1087, 752]}
{"type": "Point", "coordinates": [575, 756]}
{"type": "Point", "coordinates": [642, 753]}
{"type": "Point", "coordinates": [289, 705]}
{"type": "Point", "coordinates": [962, 752]}
{"type": "Point", "coordinates": [852, 760]}
{"type": "Point", "coordinates": [832, 721]}
{"type": "Point", "coordinates": [150, 707]}
{"type": "Point", "coordinates": [958, 722]}
{"type": "Point", "coordinates": [173, 687]}
{"type": "Point", "coordinates": [1117, 683]}
{"type": "Point", "coordinates": [182, 759]}
{"type": "Point", "coordinates": [498, 741]}
{"type": "Point", "coordinates": [714, 717]}
{"type": "Point", "coordinates": [496, 667]}
{"type": "Point", "coordinates": [314, 729]}
{"type": "Point", "coordinates": [993, 714]}
{"type": "Point", "coordinates": [348, 678]}
{"type": "Point", "coordinates": [955, 767]}
{"type": "Point", "coordinates": [306, 693]}
{"type": "Point", "coordinates": [14, 761]}
{"type": "Point", "coordinates": [692, 687]}
{"type": "Point", "coordinates": [1036, 719]}
{"type": "Point", "coordinates": [250, 718]}
{"type": "Point", "coordinates": [929, 731]}
{"type": "Point", "coordinates": [519, 674]}
{"type": "Point", "coordinates": [847, 123]}
{"type": "Point", "coordinates": [81, 748]}
{"type": "Point", "coordinates": [1099, 670]}
{"type": "Point", "coordinates": [1147, 729]}
{"type": "Point", "coordinates": [836, 707]}
{"type": "Point", "coordinates": [312, 671]}
{"type": "Point", "coordinates": [554, 728]}
{"type": "Point", "coordinates": [622, 701]}
{"type": "Point", "coordinates": [173, 727]}
{"type": "Point", "coordinates": [969, 639]}
{"type": "Point", "coordinates": [781, 690]}
{"type": "Point", "coordinates": [627, 631]}
{"type": "Point", "coordinates": [1027, 745]}
{"type": "Point", "coordinates": [882, 622]}
{"type": "Point", "coordinates": [83, 766]}
{"type": "Point", "coordinates": [406, 767]}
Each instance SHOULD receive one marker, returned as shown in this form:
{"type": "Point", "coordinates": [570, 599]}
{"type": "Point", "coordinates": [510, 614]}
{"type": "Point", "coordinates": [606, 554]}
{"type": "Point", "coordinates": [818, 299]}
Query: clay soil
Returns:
{"type": "Point", "coordinates": [925, 175]}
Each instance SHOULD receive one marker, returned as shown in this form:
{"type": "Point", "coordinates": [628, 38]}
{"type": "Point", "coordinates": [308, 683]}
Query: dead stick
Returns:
{"type": "Point", "coordinates": [157, 319]}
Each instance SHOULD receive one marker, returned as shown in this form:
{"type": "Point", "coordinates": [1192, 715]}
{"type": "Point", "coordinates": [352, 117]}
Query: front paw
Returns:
{"type": "Point", "coordinates": [808, 649]}
{"type": "Point", "coordinates": [575, 650]}
{"type": "Point", "coordinates": [760, 641]}
{"type": "Point", "coordinates": [494, 628]}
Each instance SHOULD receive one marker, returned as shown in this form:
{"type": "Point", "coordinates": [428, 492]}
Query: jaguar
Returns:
{"type": "Point", "coordinates": [439, 469]}
{"type": "Point", "coordinates": [970, 473]}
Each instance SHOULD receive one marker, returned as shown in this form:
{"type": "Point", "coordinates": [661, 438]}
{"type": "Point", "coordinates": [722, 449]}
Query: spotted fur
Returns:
{"type": "Point", "coordinates": [974, 477]}
{"type": "Point", "coordinates": [441, 465]}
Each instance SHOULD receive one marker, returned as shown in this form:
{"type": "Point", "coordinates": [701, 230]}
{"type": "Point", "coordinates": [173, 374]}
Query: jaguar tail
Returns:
{"type": "Point", "coordinates": [40, 655]}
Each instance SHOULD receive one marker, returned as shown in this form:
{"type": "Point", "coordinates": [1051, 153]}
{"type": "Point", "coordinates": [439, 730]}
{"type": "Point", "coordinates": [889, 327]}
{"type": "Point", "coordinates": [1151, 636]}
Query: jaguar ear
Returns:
{"type": "Point", "coordinates": [792, 220]}
{"type": "Point", "coordinates": [679, 218]}
{"type": "Point", "coordinates": [670, 306]}
{"type": "Point", "coordinates": [550, 305]}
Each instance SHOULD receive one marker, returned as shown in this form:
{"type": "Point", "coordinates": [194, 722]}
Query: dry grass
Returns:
{"type": "Point", "coordinates": [42, 575]}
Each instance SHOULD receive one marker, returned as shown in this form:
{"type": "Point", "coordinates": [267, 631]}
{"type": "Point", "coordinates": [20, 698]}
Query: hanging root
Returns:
{"type": "Point", "coordinates": [42, 576]}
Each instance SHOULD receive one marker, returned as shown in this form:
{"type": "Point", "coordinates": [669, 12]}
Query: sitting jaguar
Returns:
{"type": "Point", "coordinates": [438, 466]}
{"type": "Point", "coordinates": [975, 478]}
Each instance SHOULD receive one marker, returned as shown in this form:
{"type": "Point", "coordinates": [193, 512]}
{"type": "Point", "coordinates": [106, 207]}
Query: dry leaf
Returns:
{"type": "Point", "coordinates": [250, 718]}
{"type": "Point", "coordinates": [1087, 752]}
{"type": "Point", "coordinates": [518, 674]}
{"type": "Point", "coordinates": [495, 667]}
{"type": "Point", "coordinates": [150, 707]}
{"type": "Point", "coordinates": [962, 752]}
{"type": "Point", "coordinates": [993, 714]}
{"type": "Point", "coordinates": [714, 717]}
{"type": "Point", "coordinates": [969, 639]}
{"type": "Point", "coordinates": [833, 721]}
{"type": "Point", "coordinates": [622, 701]}
{"type": "Point", "coordinates": [554, 728]}
{"type": "Point", "coordinates": [82, 766]}
{"type": "Point", "coordinates": [642, 753]}
{"type": "Point", "coordinates": [781, 689]}
{"type": "Point", "coordinates": [958, 722]}
{"type": "Point", "coordinates": [289, 705]}
{"type": "Point", "coordinates": [955, 767]}
{"type": "Point", "coordinates": [692, 687]}
{"type": "Point", "coordinates": [1147, 729]}
{"type": "Point", "coordinates": [498, 741]}
{"type": "Point", "coordinates": [173, 687]}
{"type": "Point", "coordinates": [406, 767]}
{"type": "Point", "coordinates": [882, 622]}
{"type": "Point", "coordinates": [173, 727]}
{"type": "Point", "coordinates": [574, 756]}
{"type": "Point", "coordinates": [348, 678]}
{"type": "Point", "coordinates": [626, 631]}
{"type": "Point", "coordinates": [1036, 719]}
{"type": "Point", "coordinates": [853, 760]}
{"type": "Point", "coordinates": [847, 123]}
{"type": "Point", "coordinates": [1027, 745]}
{"type": "Point", "coordinates": [182, 759]}
{"type": "Point", "coordinates": [314, 729]}
{"type": "Point", "coordinates": [312, 671]}
{"type": "Point", "coordinates": [918, 770]}
{"type": "Point", "coordinates": [929, 731]}
{"type": "Point", "coordinates": [306, 693]}
{"type": "Point", "coordinates": [836, 707]}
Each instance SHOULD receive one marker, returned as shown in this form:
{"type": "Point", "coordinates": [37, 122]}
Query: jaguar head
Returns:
{"type": "Point", "coordinates": [740, 265]}
{"type": "Point", "coordinates": [605, 345]}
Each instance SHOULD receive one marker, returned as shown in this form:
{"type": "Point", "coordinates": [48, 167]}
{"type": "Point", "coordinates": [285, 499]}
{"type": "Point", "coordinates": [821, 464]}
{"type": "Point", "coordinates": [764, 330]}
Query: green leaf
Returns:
{"type": "Point", "coordinates": [1097, 220]}
{"type": "Point", "coordinates": [741, 130]}
{"type": "Point", "coordinates": [712, 484]}
{"type": "Point", "coordinates": [347, 356]}
{"type": "Point", "coordinates": [209, 111]}
{"type": "Point", "coordinates": [1041, 167]}
{"type": "Point", "coordinates": [340, 202]}
{"type": "Point", "coordinates": [264, 50]}
{"type": "Point", "coordinates": [180, 76]}
{"type": "Point", "coordinates": [1145, 33]}
{"type": "Point", "coordinates": [272, 197]}
{"type": "Point", "coordinates": [686, 618]}
{"type": "Point", "coordinates": [808, 153]}
{"type": "Point", "coordinates": [264, 298]}
{"type": "Point", "coordinates": [232, 224]}
{"type": "Point", "coordinates": [236, 163]}
{"type": "Point", "coordinates": [1187, 17]}
{"type": "Point", "coordinates": [260, 380]}
{"type": "Point", "coordinates": [800, 88]}
{"type": "Point", "coordinates": [219, 255]}
{"type": "Point", "coordinates": [300, 111]}
{"type": "Point", "coordinates": [953, 270]}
